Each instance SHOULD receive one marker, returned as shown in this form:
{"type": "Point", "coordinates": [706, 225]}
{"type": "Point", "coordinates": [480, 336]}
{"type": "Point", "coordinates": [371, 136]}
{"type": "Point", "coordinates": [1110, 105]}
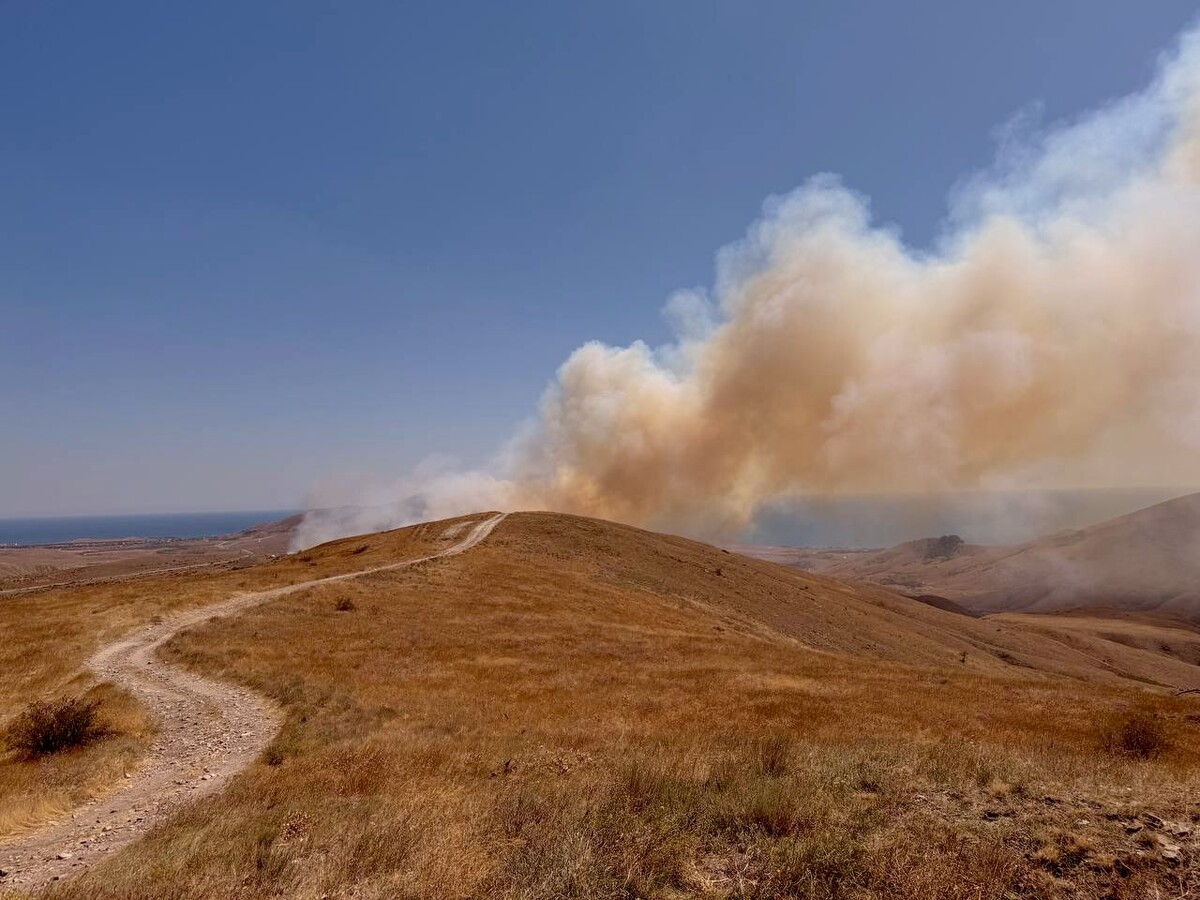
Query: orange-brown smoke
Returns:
{"type": "Point", "coordinates": [1052, 339]}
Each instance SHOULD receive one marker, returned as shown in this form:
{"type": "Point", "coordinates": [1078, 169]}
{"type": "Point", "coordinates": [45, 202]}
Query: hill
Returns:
{"type": "Point", "coordinates": [1146, 561]}
{"type": "Point", "coordinates": [577, 708]}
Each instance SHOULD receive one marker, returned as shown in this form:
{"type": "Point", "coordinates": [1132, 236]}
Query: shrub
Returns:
{"type": "Point", "coordinates": [46, 728]}
{"type": "Point", "coordinates": [345, 605]}
{"type": "Point", "coordinates": [1139, 734]}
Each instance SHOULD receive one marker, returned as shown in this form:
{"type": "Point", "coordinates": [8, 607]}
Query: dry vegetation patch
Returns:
{"type": "Point", "coordinates": [1141, 733]}
{"type": "Point", "coordinates": [61, 752]}
{"type": "Point", "coordinates": [49, 636]}
{"type": "Point", "coordinates": [574, 710]}
{"type": "Point", "coordinates": [44, 727]}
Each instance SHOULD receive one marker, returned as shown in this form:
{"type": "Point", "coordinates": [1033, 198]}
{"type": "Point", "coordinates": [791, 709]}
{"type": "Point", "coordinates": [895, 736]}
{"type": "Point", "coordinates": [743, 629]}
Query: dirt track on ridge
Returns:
{"type": "Point", "coordinates": [208, 732]}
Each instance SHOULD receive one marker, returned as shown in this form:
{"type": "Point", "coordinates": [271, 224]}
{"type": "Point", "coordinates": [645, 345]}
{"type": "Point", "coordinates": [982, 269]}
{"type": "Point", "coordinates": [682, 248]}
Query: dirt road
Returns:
{"type": "Point", "coordinates": [208, 732]}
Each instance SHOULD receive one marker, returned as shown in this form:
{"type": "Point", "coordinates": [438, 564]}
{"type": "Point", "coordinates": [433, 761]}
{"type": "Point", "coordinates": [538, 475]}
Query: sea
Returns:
{"type": "Point", "coordinates": [60, 529]}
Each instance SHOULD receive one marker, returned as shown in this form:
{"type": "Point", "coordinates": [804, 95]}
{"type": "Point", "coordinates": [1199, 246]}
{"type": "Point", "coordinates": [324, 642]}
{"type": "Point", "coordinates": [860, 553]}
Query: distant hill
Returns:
{"type": "Point", "coordinates": [275, 534]}
{"type": "Point", "coordinates": [1146, 561]}
{"type": "Point", "coordinates": [82, 561]}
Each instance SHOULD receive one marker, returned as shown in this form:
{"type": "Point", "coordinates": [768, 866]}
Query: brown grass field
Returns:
{"type": "Point", "coordinates": [581, 709]}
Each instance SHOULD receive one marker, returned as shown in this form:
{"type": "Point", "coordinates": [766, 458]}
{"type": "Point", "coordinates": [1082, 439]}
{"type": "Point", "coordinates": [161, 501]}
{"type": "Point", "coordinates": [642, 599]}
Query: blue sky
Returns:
{"type": "Point", "coordinates": [251, 250]}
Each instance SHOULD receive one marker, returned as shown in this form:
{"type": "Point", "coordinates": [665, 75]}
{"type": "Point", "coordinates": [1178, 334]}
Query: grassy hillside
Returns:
{"type": "Point", "coordinates": [579, 709]}
{"type": "Point", "coordinates": [49, 636]}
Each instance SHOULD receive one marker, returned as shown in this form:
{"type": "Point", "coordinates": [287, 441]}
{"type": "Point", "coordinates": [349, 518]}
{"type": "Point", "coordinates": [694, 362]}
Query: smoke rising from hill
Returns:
{"type": "Point", "coordinates": [1051, 339]}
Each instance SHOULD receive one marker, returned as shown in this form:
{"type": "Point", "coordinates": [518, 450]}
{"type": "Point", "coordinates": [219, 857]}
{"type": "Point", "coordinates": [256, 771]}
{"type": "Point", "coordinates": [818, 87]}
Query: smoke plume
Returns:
{"type": "Point", "coordinates": [1050, 339]}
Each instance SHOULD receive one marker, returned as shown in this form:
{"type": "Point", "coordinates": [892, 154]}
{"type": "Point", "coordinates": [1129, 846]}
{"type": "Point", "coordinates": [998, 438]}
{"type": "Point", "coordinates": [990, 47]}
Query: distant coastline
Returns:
{"type": "Point", "coordinates": [27, 532]}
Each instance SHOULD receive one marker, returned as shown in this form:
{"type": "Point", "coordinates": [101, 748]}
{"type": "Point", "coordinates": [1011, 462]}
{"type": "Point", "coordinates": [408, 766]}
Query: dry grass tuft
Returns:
{"type": "Point", "coordinates": [1140, 734]}
{"type": "Point", "coordinates": [52, 727]}
{"type": "Point", "coordinates": [773, 754]}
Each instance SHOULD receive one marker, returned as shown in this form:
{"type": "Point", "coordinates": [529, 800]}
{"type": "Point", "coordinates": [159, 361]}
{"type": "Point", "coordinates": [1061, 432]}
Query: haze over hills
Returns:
{"type": "Point", "coordinates": [1146, 561]}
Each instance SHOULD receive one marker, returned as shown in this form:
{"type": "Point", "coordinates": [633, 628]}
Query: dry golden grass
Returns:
{"type": "Point", "coordinates": [36, 790]}
{"type": "Point", "coordinates": [49, 636]}
{"type": "Point", "coordinates": [576, 709]}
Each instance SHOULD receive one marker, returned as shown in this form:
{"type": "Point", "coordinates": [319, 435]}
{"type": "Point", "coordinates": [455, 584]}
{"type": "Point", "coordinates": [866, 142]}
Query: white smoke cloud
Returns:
{"type": "Point", "coordinates": [1052, 339]}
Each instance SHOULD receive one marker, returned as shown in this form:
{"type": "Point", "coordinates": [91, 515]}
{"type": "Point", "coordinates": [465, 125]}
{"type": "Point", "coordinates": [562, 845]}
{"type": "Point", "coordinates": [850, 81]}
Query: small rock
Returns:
{"type": "Point", "coordinates": [64, 855]}
{"type": "Point", "coordinates": [1152, 821]}
{"type": "Point", "coordinates": [1168, 849]}
{"type": "Point", "coordinates": [1133, 828]}
{"type": "Point", "coordinates": [1083, 822]}
{"type": "Point", "coordinates": [990, 815]}
{"type": "Point", "coordinates": [3, 874]}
